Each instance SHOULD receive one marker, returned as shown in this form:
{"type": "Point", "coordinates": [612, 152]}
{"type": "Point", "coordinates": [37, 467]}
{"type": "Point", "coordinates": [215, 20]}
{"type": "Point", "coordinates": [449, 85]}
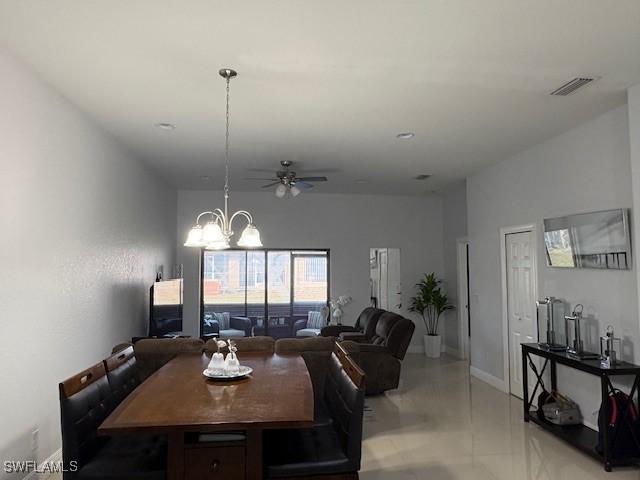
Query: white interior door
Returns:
{"type": "Point", "coordinates": [520, 302]}
{"type": "Point", "coordinates": [383, 280]}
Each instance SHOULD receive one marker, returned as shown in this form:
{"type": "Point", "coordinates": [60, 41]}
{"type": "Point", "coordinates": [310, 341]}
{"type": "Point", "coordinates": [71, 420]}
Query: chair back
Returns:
{"type": "Point", "coordinates": [344, 398]}
{"type": "Point", "coordinates": [400, 337]}
{"type": "Point", "coordinates": [367, 321]}
{"type": "Point", "coordinates": [153, 353]}
{"type": "Point", "coordinates": [86, 400]}
{"type": "Point", "coordinates": [244, 344]}
{"type": "Point", "coordinates": [384, 325]}
{"type": "Point", "coordinates": [122, 373]}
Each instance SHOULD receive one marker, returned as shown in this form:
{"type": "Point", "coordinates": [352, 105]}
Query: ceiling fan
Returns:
{"type": "Point", "coordinates": [287, 181]}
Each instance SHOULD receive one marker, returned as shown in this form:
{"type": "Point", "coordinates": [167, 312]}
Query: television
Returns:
{"type": "Point", "coordinates": [166, 302]}
{"type": "Point", "coordinates": [589, 240]}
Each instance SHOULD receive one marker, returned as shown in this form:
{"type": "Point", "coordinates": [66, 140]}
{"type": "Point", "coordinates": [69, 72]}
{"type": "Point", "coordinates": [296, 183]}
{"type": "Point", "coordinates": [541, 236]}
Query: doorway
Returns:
{"type": "Point", "coordinates": [464, 313]}
{"type": "Point", "coordinates": [519, 294]}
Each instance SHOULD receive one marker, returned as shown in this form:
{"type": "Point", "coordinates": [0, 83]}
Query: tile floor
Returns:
{"type": "Point", "coordinates": [442, 424]}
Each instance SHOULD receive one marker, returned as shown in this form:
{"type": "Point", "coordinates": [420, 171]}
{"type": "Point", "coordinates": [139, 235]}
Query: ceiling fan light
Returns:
{"type": "Point", "coordinates": [212, 234]}
{"type": "Point", "coordinates": [281, 191]}
{"type": "Point", "coordinates": [295, 191]}
{"type": "Point", "coordinates": [250, 237]}
{"type": "Point", "coordinates": [194, 238]}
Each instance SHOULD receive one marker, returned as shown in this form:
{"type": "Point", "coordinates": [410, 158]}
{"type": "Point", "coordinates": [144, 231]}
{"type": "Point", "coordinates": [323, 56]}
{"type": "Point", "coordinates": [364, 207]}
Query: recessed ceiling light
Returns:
{"type": "Point", "coordinates": [361, 181]}
{"type": "Point", "coordinates": [205, 177]}
{"type": "Point", "coordinates": [405, 135]}
{"type": "Point", "coordinates": [165, 126]}
{"type": "Point", "coordinates": [423, 176]}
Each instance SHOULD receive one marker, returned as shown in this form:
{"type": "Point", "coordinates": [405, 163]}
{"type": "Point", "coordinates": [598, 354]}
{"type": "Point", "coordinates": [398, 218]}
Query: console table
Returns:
{"type": "Point", "coordinates": [580, 436]}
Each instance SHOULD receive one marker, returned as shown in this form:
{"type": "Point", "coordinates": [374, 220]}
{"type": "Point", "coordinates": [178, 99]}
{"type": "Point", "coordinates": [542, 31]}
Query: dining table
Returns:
{"type": "Point", "coordinates": [215, 428]}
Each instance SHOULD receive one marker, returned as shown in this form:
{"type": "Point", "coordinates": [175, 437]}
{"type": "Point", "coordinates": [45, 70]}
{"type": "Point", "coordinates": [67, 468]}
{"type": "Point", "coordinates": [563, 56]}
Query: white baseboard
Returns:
{"type": "Point", "coordinates": [55, 457]}
{"type": "Point", "coordinates": [488, 378]}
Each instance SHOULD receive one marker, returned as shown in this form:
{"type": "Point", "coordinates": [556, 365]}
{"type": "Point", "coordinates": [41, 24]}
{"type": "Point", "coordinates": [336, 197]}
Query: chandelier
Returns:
{"type": "Point", "coordinates": [216, 233]}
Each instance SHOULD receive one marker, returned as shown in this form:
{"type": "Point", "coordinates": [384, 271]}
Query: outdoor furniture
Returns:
{"type": "Point", "coordinates": [223, 325]}
{"type": "Point", "coordinates": [312, 325]}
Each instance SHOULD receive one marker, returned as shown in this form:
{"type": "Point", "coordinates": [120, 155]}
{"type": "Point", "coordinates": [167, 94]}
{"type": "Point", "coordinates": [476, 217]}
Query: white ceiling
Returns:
{"type": "Point", "coordinates": [330, 83]}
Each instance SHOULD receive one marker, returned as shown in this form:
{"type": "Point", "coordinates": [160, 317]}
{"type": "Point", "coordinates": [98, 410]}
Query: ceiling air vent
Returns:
{"type": "Point", "coordinates": [424, 176]}
{"type": "Point", "coordinates": [572, 85]}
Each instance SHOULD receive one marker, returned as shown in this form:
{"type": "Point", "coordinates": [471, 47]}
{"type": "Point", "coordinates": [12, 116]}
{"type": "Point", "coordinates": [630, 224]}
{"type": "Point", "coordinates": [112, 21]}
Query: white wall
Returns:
{"type": "Point", "coordinates": [633, 99]}
{"type": "Point", "coordinates": [84, 226]}
{"type": "Point", "coordinates": [582, 170]}
{"type": "Point", "coordinates": [454, 205]}
{"type": "Point", "coordinates": [347, 224]}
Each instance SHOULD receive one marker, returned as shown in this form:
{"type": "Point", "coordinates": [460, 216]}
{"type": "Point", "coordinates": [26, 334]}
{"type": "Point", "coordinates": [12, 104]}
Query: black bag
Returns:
{"type": "Point", "coordinates": [622, 426]}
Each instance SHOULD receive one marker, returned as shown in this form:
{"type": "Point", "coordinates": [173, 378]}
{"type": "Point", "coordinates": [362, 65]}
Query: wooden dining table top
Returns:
{"type": "Point", "coordinates": [278, 394]}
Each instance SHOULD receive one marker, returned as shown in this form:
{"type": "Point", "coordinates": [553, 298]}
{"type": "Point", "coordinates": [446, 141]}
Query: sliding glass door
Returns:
{"type": "Point", "coordinates": [273, 288]}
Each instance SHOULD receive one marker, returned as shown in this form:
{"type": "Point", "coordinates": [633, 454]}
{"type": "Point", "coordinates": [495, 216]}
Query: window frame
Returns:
{"type": "Point", "coordinates": [294, 252]}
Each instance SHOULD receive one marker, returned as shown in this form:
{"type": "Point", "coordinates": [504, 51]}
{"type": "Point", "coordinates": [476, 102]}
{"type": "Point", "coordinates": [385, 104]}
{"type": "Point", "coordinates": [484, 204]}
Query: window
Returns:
{"type": "Point", "coordinates": [274, 288]}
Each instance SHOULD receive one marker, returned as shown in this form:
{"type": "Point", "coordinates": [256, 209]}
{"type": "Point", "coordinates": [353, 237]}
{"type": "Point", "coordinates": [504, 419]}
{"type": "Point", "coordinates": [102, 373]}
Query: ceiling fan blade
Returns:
{"type": "Point", "coordinates": [270, 184]}
{"type": "Point", "coordinates": [303, 185]}
{"type": "Point", "coordinates": [311, 179]}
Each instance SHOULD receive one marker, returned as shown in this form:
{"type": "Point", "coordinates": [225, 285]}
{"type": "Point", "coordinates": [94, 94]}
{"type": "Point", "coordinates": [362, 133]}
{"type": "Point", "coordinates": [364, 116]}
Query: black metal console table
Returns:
{"type": "Point", "coordinates": [580, 436]}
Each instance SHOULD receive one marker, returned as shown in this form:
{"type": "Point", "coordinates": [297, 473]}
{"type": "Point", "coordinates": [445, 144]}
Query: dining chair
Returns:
{"type": "Point", "coordinates": [333, 450]}
{"type": "Point", "coordinates": [86, 400]}
{"type": "Point", "coordinates": [122, 373]}
{"type": "Point", "coordinates": [244, 344]}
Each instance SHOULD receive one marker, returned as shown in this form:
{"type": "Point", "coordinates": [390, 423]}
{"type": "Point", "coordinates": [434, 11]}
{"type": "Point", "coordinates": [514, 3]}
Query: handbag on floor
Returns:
{"type": "Point", "coordinates": [561, 410]}
{"type": "Point", "coordinates": [622, 426]}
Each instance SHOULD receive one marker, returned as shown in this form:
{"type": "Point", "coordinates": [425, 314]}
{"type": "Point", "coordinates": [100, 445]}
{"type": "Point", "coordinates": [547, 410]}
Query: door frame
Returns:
{"type": "Point", "coordinates": [503, 272]}
{"type": "Point", "coordinates": [462, 253]}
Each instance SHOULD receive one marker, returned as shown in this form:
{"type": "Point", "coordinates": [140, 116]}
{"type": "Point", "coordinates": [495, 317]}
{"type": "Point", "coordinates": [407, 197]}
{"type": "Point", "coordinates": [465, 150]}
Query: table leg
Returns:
{"type": "Point", "coordinates": [554, 376]}
{"type": "Point", "coordinates": [604, 393]}
{"type": "Point", "coordinates": [175, 456]}
{"type": "Point", "coordinates": [525, 386]}
{"type": "Point", "coordinates": [254, 454]}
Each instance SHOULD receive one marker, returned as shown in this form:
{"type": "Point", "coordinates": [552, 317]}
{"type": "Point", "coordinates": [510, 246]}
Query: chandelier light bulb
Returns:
{"type": "Point", "coordinates": [194, 239]}
{"type": "Point", "coordinates": [295, 191]}
{"type": "Point", "coordinates": [250, 237]}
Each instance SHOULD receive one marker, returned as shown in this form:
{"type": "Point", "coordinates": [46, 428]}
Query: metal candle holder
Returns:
{"type": "Point", "coordinates": [575, 348]}
{"type": "Point", "coordinates": [608, 355]}
{"type": "Point", "coordinates": [550, 344]}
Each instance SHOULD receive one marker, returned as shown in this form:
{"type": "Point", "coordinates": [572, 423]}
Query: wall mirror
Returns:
{"type": "Point", "coordinates": [589, 240]}
{"type": "Point", "coordinates": [384, 279]}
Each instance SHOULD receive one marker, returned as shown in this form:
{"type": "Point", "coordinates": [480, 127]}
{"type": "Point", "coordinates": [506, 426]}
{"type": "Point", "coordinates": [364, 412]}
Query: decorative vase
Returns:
{"type": "Point", "coordinates": [217, 363]}
{"type": "Point", "coordinates": [432, 345]}
{"type": "Point", "coordinates": [231, 364]}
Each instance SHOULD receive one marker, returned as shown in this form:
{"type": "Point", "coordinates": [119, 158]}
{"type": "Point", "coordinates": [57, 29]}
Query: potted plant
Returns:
{"type": "Point", "coordinates": [430, 303]}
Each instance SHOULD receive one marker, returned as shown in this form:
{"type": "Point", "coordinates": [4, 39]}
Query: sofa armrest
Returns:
{"type": "Point", "coordinates": [299, 325]}
{"type": "Point", "coordinates": [336, 330]}
{"type": "Point", "coordinates": [354, 337]}
{"type": "Point", "coordinates": [241, 323]}
{"type": "Point", "coordinates": [371, 348]}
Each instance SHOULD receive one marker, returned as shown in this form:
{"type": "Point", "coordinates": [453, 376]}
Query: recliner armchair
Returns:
{"type": "Point", "coordinates": [365, 326]}
{"type": "Point", "coordinates": [381, 357]}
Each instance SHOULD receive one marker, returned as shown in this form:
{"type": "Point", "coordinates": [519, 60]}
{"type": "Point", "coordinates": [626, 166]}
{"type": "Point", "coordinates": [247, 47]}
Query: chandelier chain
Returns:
{"type": "Point", "coordinates": [226, 147]}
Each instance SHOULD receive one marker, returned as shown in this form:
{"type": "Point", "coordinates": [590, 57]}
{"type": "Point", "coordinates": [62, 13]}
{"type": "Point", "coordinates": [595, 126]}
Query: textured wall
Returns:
{"type": "Point", "coordinates": [84, 227]}
{"type": "Point", "coordinates": [349, 225]}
